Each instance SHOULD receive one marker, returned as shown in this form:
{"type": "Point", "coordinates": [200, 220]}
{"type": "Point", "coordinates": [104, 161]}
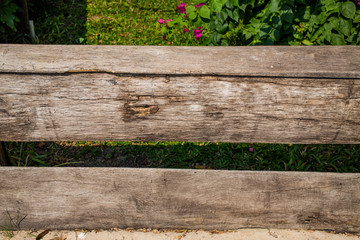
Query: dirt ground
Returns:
{"type": "Point", "coordinates": [242, 234]}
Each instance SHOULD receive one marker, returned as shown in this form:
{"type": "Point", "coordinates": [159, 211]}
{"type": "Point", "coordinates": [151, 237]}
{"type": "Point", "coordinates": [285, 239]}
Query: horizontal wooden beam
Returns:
{"type": "Point", "coordinates": [102, 106]}
{"type": "Point", "coordinates": [92, 198]}
{"type": "Point", "coordinates": [276, 61]}
{"type": "Point", "coordinates": [219, 94]}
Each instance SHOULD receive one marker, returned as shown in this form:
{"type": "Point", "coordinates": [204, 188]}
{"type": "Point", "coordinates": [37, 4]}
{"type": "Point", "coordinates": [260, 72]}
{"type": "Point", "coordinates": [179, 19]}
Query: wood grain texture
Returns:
{"type": "Point", "coordinates": [284, 61]}
{"type": "Point", "coordinates": [93, 198]}
{"type": "Point", "coordinates": [229, 94]}
{"type": "Point", "coordinates": [102, 106]}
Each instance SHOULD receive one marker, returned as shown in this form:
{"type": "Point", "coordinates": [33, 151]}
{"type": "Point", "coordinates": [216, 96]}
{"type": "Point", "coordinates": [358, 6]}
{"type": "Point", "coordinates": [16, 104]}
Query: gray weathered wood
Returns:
{"type": "Point", "coordinates": [284, 61]}
{"type": "Point", "coordinates": [93, 198]}
{"type": "Point", "coordinates": [103, 106]}
{"type": "Point", "coordinates": [235, 94]}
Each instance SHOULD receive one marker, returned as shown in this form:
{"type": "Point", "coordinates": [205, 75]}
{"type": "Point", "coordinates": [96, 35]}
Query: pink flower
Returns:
{"type": "Point", "coordinates": [181, 8]}
{"type": "Point", "coordinates": [199, 5]}
{"type": "Point", "coordinates": [168, 20]}
{"type": "Point", "coordinates": [185, 30]}
{"type": "Point", "coordinates": [164, 37]}
{"type": "Point", "coordinates": [197, 32]}
{"type": "Point", "coordinates": [161, 21]}
{"type": "Point", "coordinates": [358, 2]}
{"type": "Point", "coordinates": [251, 149]}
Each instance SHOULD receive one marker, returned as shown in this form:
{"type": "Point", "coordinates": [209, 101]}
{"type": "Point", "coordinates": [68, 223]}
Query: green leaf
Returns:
{"type": "Point", "coordinates": [236, 14]}
{"type": "Point", "coordinates": [345, 26]}
{"type": "Point", "coordinates": [218, 24]}
{"type": "Point", "coordinates": [352, 38]}
{"type": "Point", "coordinates": [307, 13]}
{"type": "Point", "coordinates": [307, 42]}
{"type": "Point", "coordinates": [317, 34]}
{"type": "Point", "coordinates": [357, 17]}
{"type": "Point", "coordinates": [335, 23]}
{"type": "Point", "coordinates": [274, 6]}
{"type": "Point", "coordinates": [190, 9]}
{"type": "Point", "coordinates": [230, 14]}
{"type": "Point", "coordinates": [332, 6]}
{"type": "Point", "coordinates": [243, 6]}
{"type": "Point", "coordinates": [337, 39]}
{"type": "Point", "coordinates": [192, 15]}
{"type": "Point", "coordinates": [224, 42]}
{"type": "Point", "coordinates": [204, 12]}
{"type": "Point", "coordinates": [287, 14]}
{"type": "Point", "coordinates": [223, 29]}
{"type": "Point", "coordinates": [229, 5]}
{"type": "Point", "coordinates": [276, 22]}
{"type": "Point", "coordinates": [275, 34]}
{"type": "Point", "coordinates": [216, 5]}
{"type": "Point", "coordinates": [222, 16]}
{"type": "Point", "coordinates": [215, 38]}
{"type": "Point", "coordinates": [287, 26]}
{"type": "Point", "coordinates": [234, 2]}
{"type": "Point", "coordinates": [348, 9]}
{"type": "Point", "coordinates": [264, 30]}
{"type": "Point", "coordinates": [327, 32]}
{"type": "Point", "coordinates": [212, 26]}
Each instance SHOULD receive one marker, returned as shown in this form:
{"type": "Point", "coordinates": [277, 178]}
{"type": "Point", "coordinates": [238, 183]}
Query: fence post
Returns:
{"type": "Point", "coordinates": [4, 159]}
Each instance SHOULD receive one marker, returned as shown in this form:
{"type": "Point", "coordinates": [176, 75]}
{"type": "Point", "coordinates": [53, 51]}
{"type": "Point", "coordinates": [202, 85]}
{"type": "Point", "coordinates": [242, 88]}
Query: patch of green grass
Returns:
{"type": "Point", "coordinates": [11, 224]}
{"type": "Point", "coordinates": [123, 22]}
{"type": "Point", "coordinates": [275, 157]}
{"type": "Point", "coordinates": [128, 22]}
{"type": "Point", "coordinates": [59, 21]}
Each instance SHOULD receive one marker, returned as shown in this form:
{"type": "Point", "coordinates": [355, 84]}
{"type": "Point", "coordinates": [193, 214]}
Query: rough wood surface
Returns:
{"type": "Point", "coordinates": [232, 94]}
{"type": "Point", "coordinates": [92, 198]}
{"type": "Point", "coordinates": [102, 106]}
{"type": "Point", "coordinates": [285, 61]}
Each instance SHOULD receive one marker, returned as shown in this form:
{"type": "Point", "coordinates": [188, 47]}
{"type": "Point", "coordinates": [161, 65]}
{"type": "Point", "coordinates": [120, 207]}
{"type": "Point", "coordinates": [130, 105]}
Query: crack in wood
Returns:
{"type": "Point", "coordinates": [168, 75]}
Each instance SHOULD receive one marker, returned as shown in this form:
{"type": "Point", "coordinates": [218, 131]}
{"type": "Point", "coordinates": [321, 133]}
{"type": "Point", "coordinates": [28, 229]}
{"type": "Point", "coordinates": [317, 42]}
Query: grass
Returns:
{"type": "Point", "coordinates": [275, 157]}
{"type": "Point", "coordinates": [133, 22]}
{"type": "Point", "coordinates": [121, 22]}
{"type": "Point", "coordinates": [12, 225]}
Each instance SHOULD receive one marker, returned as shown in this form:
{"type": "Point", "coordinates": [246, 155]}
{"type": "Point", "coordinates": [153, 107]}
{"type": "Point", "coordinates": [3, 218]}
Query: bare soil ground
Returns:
{"type": "Point", "coordinates": [147, 234]}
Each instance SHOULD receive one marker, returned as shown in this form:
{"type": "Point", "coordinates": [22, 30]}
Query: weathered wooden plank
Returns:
{"type": "Point", "coordinates": [285, 61]}
{"type": "Point", "coordinates": [102, 106]}
{"type": "Point", "coordinates": [70, 198]}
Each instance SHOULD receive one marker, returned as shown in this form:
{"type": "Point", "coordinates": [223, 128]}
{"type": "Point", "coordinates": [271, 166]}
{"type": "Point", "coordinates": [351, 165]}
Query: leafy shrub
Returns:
{"type": "Point", "coordinates": [285, 22]}
{"type": "Point", "coordinates": [7, 15]}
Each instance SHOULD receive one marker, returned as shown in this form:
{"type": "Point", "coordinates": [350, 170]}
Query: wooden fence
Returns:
{"type": "Point", "coordinates": [270, 94]}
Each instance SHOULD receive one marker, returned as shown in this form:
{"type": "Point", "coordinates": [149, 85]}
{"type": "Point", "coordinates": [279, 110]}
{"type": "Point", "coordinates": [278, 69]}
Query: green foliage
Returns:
{"type": "Point", "coordinates": [285, 22]}
{"type": "Point", "coordinates": [7, 15]}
